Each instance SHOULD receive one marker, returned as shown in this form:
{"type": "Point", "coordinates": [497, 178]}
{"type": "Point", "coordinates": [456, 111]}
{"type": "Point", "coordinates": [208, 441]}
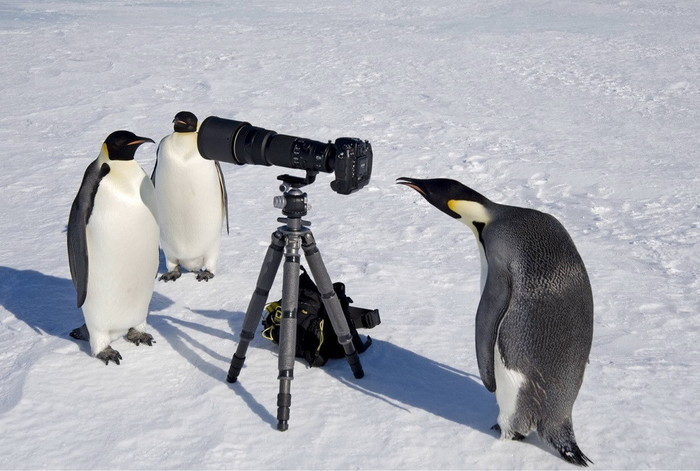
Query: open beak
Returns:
{"type": "Point", "coordinates": [411, 182]}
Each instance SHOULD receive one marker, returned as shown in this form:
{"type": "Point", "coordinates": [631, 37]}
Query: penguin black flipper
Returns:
{"type": "Point", "coordinates": [493, 305]}
{"type": "Point", "coordinates": [155, 165]}
{"type": "Point", "coordinates": [224, 194]}
{"type": "Point", "coordinates": [77, 222]}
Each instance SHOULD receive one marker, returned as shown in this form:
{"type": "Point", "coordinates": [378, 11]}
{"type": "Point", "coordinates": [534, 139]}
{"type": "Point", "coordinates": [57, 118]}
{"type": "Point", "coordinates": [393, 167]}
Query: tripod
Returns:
{"type": "Point", "coordinates": [287, 240]}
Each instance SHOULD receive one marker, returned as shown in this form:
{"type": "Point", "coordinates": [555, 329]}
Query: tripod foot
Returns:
{"type": "Point", "coordinates": [235, 369]}
{"type": "Point", "coordinates": [284, 401]}
{"type": "Point", "coordinates": [355, 365]}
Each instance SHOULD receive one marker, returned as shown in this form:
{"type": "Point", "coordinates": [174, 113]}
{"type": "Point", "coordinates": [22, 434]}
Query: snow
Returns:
{"type": "Point", "coordinates": [584, 109]}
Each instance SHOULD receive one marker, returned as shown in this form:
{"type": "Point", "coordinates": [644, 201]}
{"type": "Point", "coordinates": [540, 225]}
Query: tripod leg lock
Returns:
{"type": "Point", "coordinates": [286, 374]}
{"type": "Point", "coordinates": [247, 335]}
{"type": "Point", "coordinates": [345, 339]}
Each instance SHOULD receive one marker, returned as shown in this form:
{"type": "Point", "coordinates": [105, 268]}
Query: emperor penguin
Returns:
{"type": "Point", "coordinates": [192, 202]}
{"type": "Point", "coordinates": [534, 323]}
{"type": "Point", "coordinates": [113, 247]}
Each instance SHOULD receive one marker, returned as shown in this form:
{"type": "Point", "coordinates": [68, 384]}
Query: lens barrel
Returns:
{"type": "Point", "coordinates": [216, 137]}
{"type": "Point", "coordinates": [240, 143]}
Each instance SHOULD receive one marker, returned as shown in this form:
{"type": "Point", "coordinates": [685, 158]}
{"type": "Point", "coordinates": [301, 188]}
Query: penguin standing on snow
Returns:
{"type": "Point", "coordinates": [534, 323]}
{"type": "Point", "coordinates": [192, 202]}
{"type": "Point", "coordinates": [113, 247]}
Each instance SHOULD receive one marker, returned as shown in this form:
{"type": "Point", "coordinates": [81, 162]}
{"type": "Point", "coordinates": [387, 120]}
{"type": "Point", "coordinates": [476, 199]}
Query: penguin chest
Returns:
{"type": "Point", "coordinates": [190, 205]}
{"type": "Point", "coordinates": [122, 240]}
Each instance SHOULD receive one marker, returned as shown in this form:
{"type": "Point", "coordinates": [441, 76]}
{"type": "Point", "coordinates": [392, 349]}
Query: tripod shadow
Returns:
{"type": "Point", "coordinates": [175, 331]}
{"type": "Point", "coordinates": [408, 380]}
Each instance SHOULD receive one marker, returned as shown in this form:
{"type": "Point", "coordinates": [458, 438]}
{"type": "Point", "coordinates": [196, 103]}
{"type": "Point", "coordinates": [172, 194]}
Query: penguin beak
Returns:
{"type": "Point", "coordinates": [140, 140]}
{"type": "Point", "coordinates": [433, 190]}
{"type": "Point", "coordinates": [412, 183]}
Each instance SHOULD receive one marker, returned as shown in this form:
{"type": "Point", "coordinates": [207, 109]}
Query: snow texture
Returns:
{"type": "Point", "coordinates": [588, 110]}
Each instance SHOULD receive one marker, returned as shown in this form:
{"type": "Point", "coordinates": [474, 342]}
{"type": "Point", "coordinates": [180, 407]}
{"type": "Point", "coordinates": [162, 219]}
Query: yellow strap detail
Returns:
{"type": "Point", "coordinates": [320, 336]}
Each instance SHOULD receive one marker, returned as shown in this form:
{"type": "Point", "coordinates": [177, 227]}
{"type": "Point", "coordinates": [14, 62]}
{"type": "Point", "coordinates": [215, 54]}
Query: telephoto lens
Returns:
{"type": "Point", "coordinates": [240, 143]}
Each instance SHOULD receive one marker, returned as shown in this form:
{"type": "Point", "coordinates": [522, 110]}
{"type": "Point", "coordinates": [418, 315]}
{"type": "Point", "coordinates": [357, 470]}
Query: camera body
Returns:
{"type": "Point", "coordinates": [240, 143]}
{"type": "Point", "coordinates": [353, 165]}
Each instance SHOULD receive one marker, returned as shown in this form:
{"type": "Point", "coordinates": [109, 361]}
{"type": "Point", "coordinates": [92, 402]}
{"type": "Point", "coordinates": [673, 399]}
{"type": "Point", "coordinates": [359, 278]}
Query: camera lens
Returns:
{"type": "Point", "coordinates": [238, 142]}
{"type": "Point", "coordinates": [216, 136]}
{"type": "Point", "coordinates": [296, 152]}
{"type": "Point", "coordinates": [250, 144]}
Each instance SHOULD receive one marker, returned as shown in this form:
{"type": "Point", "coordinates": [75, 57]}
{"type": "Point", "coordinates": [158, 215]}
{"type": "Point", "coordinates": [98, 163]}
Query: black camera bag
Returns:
{"type": "Point", "coordinates": [316, 340]}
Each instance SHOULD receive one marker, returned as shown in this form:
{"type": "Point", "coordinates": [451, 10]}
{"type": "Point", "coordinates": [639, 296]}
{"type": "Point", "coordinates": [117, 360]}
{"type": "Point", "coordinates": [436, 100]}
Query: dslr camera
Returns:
{"type": "Point", "coordinates": [240, 143]}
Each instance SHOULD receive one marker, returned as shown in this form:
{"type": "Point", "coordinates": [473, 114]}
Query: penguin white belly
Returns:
{"type": "Point", "coordinates": [508, 385]}
{"type": "Point", "coordinates": [122, 240]}
{"type": "Point", "coordinates": [190, 207]}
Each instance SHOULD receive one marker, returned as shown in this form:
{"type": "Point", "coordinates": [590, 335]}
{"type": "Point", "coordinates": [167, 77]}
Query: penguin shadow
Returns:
{"type": "Point", "coordinates": [47, 304]}
{"type": "Point", "coordinates": [161, 262]}
{"type": "Point", "coordinates": [407, 380]}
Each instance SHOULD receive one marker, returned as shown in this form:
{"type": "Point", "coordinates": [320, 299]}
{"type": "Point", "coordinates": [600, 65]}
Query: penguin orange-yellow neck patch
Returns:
{"type": "Point", "coordinates": [470, 211]}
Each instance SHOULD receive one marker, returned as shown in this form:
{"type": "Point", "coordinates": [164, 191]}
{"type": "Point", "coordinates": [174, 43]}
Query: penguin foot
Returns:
{"type": "Point", "coordinates": [137, 337]}
{"type": "Point", "coordinates": [172, 275]}
{"type": "Point", "coordinates": [81, 333]}
{"type": "Point", "coordinates": [109, 354]}
{"type": "Point", "coordinates": [513, 435]}
{"type": "Point", "coordinates": [204, 275]}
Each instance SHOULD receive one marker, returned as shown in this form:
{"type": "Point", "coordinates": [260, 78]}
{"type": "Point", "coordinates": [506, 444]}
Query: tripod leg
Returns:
{"type": "Point", "coordinates": [288, 329]}
{"type": "Point", "coordinates": [331, 302]}
{"type": "Point", "coordinates": [257, 303]}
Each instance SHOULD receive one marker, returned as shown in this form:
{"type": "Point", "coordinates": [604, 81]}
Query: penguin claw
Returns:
{"type": "Point", "coordinates": [170, 276]}
{"type": "Point", "coordinates": [109, 354]}
{"type": "Point", "coordinates": [204, 275]}
{"type": "Point", "coordinates": [137, 337]}
{"type": "Point", "coordinates": [513, 435]}
{"type": "Point", "coordinates": [80, 333]}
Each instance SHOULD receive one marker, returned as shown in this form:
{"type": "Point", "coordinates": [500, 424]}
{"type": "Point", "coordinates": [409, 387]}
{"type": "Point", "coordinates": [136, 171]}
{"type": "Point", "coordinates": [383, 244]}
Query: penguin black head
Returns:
{"type": "Point", "coordinates": [122, 145]}
{"type": "Point", "coordinates": [444, 193]}
{"type": "Point", "coordinates": [185, 122]}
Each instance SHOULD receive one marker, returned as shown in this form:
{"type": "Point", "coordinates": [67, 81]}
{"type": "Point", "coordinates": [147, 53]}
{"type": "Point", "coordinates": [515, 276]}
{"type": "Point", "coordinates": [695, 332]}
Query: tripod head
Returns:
{"type": "Point", "coordinates": [294, 202]}
{"type": "Point", "coordinates": [290, 181]}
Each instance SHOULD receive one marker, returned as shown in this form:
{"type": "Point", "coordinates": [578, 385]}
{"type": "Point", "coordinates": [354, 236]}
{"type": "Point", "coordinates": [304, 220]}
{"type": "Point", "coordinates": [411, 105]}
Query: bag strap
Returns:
{"type": "Point", "coordinates": [367, 318]}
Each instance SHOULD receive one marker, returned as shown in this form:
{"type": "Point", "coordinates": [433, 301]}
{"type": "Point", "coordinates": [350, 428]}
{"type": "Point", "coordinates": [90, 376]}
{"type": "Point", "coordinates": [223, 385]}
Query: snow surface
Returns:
{"type": "Point", "coordinates": [586, 109]}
